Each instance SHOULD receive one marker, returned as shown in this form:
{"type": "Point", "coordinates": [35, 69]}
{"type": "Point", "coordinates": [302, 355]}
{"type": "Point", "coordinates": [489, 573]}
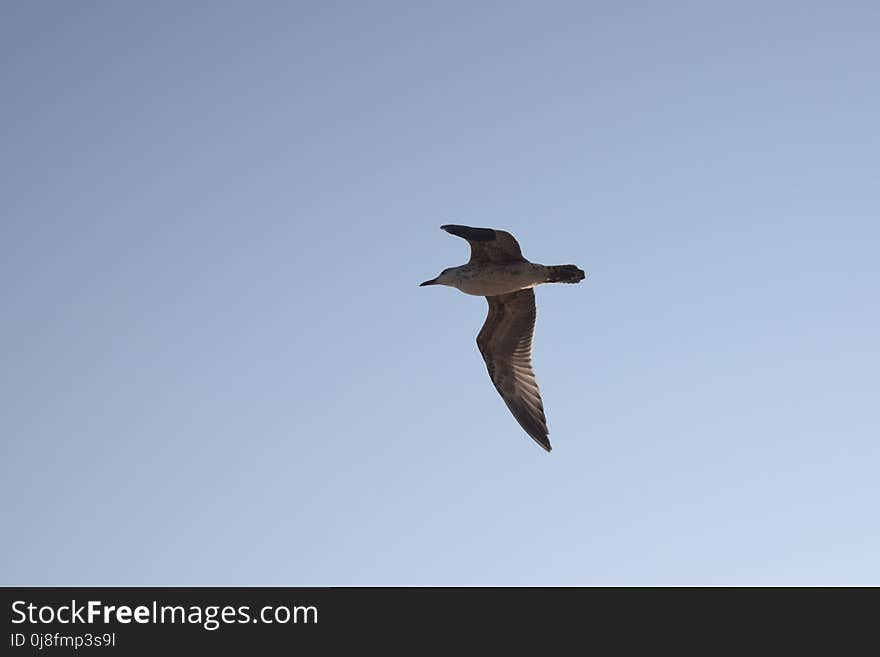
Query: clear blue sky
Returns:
{"type": "Point", "coordinates": [217, 364]}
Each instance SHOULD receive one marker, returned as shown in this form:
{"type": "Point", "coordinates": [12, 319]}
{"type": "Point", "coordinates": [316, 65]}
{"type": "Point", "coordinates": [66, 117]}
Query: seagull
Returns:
{"type": "Point", "coordinates": [498, 271]}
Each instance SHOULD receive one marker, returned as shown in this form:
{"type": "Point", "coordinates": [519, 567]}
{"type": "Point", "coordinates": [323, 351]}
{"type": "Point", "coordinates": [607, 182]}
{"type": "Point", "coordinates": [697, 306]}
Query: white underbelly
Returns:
{"type": "Point", "coordinates": [490, 282]}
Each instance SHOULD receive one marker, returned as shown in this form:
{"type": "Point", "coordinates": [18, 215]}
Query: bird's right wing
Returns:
{"type": "Point", "coordinates": [488, 245]}
{"type": "Point", "coordinates": [505, 342]}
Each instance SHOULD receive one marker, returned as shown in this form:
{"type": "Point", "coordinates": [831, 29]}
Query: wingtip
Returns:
{"type": "Point", "coordinates": [544, 443]}
{"type": "Point", "coordinates": [470, 233]}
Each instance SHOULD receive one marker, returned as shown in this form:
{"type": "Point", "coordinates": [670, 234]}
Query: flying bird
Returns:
{"type": "Point", "coordinates": [498, 271]}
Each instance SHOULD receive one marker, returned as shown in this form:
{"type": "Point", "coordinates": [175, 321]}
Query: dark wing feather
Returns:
{"type": "Point", "coordinates": [506, 344]}
{"type": "Point", "coordinates": [488, 245]}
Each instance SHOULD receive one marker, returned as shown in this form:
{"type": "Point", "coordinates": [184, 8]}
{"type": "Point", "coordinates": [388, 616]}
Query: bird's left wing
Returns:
{"type": "Point", "coordinates": [488, 246]}
{"type": "Point", "coordinates": [505, 342]}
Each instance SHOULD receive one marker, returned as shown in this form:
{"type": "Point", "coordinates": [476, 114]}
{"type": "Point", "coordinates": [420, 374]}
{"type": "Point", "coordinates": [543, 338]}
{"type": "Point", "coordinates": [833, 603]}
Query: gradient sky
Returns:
{"type": "Point", "coordinates": [218, 367]}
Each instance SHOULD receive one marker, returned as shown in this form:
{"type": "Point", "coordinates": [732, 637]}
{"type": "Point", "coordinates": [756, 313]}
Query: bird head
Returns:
{"type": "Point", "coordinates": [442, 279]}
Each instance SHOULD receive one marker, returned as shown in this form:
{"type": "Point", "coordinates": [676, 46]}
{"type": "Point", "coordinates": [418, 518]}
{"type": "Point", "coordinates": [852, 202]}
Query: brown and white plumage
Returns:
{"type": "Point", "coordinates": [498, 271]}
{"type": "Point", "coordinates": [505, 342]}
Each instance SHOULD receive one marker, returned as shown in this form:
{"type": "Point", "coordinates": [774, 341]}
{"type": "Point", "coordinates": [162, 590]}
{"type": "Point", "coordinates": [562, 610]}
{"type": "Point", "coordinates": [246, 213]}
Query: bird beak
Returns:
{"type": "Point", "coordinates": [433, 281]}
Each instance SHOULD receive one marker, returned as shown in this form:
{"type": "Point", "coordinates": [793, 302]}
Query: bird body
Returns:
{"type": "Point", "coordinates": [498, 271]}
{"type": "Point", "coordinates": [491, 280]}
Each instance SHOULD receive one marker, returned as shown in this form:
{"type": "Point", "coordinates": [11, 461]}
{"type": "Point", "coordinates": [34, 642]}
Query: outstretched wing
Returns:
{"type": "Point", "coordinates": [506, 344]}
{"type": "Point", "coordinates": [488, 245]}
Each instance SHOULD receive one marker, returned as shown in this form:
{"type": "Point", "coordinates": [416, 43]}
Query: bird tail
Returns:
{"type": "Point", "coordinates": [564, 274]}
